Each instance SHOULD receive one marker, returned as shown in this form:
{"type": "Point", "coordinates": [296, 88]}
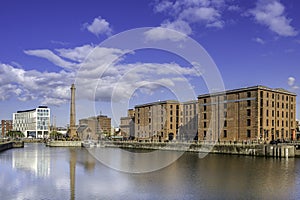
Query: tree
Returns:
{"type": "Point", "coordinates": [15, 134]}
{"type": "Point", "coordinates": [56, 135]}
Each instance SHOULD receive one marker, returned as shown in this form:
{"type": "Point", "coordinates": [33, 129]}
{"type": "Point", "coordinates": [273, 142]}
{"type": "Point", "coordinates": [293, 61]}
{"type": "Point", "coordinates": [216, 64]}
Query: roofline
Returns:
{"type": "Point", "coordinates": [261, 87]}
{"type": "Point", "coordinates": [157, 103]}
{"type": "Point", "coordinates": [30, 110]}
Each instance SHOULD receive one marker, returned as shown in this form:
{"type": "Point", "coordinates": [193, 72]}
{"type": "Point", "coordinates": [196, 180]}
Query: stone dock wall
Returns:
{"type": "Point", "coordinates": [267, 150]}
{"type": "Point", "coordinates": [9, 145]}
{"type": "Point", "coordinates": [64, 143]}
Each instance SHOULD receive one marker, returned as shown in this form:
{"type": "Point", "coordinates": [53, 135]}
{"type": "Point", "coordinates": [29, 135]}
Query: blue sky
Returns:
{"type": "Point", "coordinates": [45, 44]}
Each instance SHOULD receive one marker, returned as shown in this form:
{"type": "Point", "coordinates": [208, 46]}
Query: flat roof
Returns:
{"type": "Point", "coordinates": [30, 110]}
{"type": "Point", "coordinates": [157, 103]}
{"type": "Point", "coordinates": [261, 87]}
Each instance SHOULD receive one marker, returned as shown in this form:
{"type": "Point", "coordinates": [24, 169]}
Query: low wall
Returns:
{"type": "Point", "coordinates": [5, 146]}
{"type": "Point", "coordinates": [64, 144]}
{"type": "Point", "coordinates": [267, 150]}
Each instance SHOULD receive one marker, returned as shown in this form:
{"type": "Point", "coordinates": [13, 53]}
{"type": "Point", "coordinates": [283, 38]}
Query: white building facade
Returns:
{"type": "Point", "coordinates": [33, 123]}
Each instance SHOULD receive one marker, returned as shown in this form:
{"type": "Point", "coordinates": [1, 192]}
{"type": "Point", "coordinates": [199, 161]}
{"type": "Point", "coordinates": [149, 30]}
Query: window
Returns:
{"type": "Point", "coordinates": [282, 97]}
{"type": "Point", "coordinates": [260, 122]}
{"type": "Point", "coordinates": [273, 123]}
{"type": "Point", "coordinates": [273, 104]}
{"type": "Point", "coordinates": [287, 106]}
{"type": "Point", "coordinates": [267, 113]}
{"type": "Point", "coordinates": [287, 98]}
{"type": "Point", "coordinates": [267, 94]}
{"type": "Point", "coordinates": [225, 133]}
{"type": "Point", "coordinates": [282, 123]}
{"type": "Point", "coordinates": [277, 104]}
{"type": "Point", "coordinates": [277, 113]}
{"type": "Point", "coordinates": [204, 124]}
{"type": "Point", "coordinates": [267, 103]}
{"type": "Point", "coordinates": [292, 99]}
{"type": "Point", "coordinates": [292, 107]}
{"type": "Point", "coordinates": [282, 105]}
{"type": "Point", "coordinates": [287, 115]}
{"type": "Point", "coordinates": [248, 103]}
{"type": "Point", "coordinates": [261, 112]}
{"type": "Point", "coordinates": [171, 112]}
{"type": "Point", "coordinates": [204, 108]}
{"type": "Point", "coordinates": [248, 133]}
{"type": "Point", "coordinates": [261, 93]}
{"type": "Point", "coordinates": [225, 105]}
{"type": "Point", "coordinates": [225, 114]}
{"type": "Point", "coordinates": [277, 122]}
{"type": "Point", "coordinates": [204, 100]}
{"type": "Point", "coordinates": [204, 133]}
{"type": "Point", "coordinates": [225, 123]}
{"type": "Point", "coordinates": [248, 122]}
{"type": "Point", "coordinates": [272, 113]}
{"type": "Point", "coordinates": [248, 94]}
{"type": "Point", "coordinates": [248, 112]}
{"type": "Point", "coordinates": [171, 119]}
{"type": "Point", "coordinates": [292, 115]}
{"type": "Point", "coordinates": [204, 115]}
{"type": "Point", "coordinates": [261, 102]}
{"type": "Point", "coordinates": [287, 124]}
{"type": "Point", "coordinates": [272, 96]}
{"type": "Point", "coordinates": [282, 114]}
{"type": "Point", "coordinates": [171, 126]}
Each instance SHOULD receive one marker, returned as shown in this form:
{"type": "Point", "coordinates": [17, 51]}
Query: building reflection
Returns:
{"type": "Point", "coordinates": [37, 161]}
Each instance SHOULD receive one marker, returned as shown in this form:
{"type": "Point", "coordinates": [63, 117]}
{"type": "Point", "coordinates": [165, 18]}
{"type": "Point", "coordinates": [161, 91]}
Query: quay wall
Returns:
{"type": "Point", "coordinates": [10, 145]}
{"type": "Point", "coordinates": [5, 146]}
{"type": "Point", "coordinates": [64, 143]}
{"type": "Point", "coordinates": [267, 150]}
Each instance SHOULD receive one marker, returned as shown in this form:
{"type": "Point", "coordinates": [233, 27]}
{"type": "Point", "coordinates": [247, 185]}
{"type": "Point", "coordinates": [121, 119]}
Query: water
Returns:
{"type": "Point", "coordinates": [39, 172]}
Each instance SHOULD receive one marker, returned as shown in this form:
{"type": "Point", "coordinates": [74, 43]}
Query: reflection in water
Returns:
{"type": "Point", "coordinates": [38, 172]}
{"type": "Point", "coordinates": [72, 173]}
{"type": "Point", "coordinates": [36, 160]}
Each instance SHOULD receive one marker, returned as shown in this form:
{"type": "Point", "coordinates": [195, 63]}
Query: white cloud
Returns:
{"type": "Point", "coordinates": [163, 32]}
{"type": "Point", "coordinates": [187, 12]}
{"type": "Point", "coordinates": [99, 26]}
{"type": "Point", "coordinates": [49, 55]}
{"type": "Point", "coordinates": [272, 15]}
{"type": "Point", "coordinates": [200, 14]}
{"type": "Point", "coordinates": [291, 81]}
{"type": "Point", "coordinates": [234, 8]}
{"type": "Point", "coordinates": [97, 73]}
{"type": "Point", "coordinates": [32, 84]}
{"type": "Point", "coordinates": [259, 40]}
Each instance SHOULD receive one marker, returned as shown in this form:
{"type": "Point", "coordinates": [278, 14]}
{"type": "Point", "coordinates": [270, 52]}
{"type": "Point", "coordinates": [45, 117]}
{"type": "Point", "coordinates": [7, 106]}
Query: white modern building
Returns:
{"type": "Point", "coordinates": [33, 123]}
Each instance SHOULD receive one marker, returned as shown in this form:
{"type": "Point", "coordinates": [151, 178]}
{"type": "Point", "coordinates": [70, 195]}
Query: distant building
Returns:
{"type": "Point", "coordinates": [93, 127]}
{"type": "Point", "coordinates": [6, 126]}
{"type": "Point", "coordinates": [158, 121]}
{"type": "Point", "coordinates": [188, 128]}
{"type": "Point", "coordinates": [127, 124]}
{"type": "Point", "coordinates": [33, 123]}
{"type": "Point", "coordinates": [247, 114]}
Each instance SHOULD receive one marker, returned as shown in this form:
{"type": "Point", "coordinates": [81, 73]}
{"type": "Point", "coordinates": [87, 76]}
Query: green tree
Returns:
{"type": "Point", "coordinates": [15, 134]}
{"type": "Point", "coordinates": [56, 135]}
